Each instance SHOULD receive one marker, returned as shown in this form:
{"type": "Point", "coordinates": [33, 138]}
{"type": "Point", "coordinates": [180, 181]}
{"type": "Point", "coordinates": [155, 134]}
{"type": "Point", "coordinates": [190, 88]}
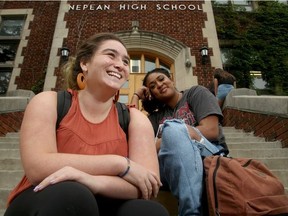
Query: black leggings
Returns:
{"type": "Point", "coordinates": [71, 198]}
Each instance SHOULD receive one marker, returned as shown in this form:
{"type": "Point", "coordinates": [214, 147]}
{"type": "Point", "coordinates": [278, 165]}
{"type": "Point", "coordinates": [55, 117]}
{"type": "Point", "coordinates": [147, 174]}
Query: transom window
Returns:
{"type": "Point", "coordinates": [143, 63]}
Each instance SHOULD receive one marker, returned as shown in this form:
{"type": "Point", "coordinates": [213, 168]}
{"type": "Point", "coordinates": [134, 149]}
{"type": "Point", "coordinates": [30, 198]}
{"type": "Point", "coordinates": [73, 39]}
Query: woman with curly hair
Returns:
{"type": "Point", "coordinates": [186, 127]}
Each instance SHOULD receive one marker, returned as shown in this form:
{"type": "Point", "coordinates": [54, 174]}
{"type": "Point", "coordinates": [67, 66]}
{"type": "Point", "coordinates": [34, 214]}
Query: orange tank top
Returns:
{"type": "Point", "coordinates": [76, 135]}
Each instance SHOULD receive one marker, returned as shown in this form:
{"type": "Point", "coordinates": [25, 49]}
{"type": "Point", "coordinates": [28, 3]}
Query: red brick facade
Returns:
{"type": "Point", "coordinates": [10, 122]}
{"type": "Point", "coordinates": [174, 20]}
{"type": "Point", "coordinates": [36, 53]}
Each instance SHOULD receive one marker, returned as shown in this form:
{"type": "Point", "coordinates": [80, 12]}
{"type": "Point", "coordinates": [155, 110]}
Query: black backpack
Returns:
{"type": "Point", "coordinates": [64, 99]}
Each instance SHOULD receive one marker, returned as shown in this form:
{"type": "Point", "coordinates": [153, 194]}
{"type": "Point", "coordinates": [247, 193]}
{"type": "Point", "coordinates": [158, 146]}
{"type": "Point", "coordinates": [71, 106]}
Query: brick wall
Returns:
{"type": "Point", "coordinates": [10, 122]}
{"type": "Point", "coordinates": [181, 24]}
{"type": "Point", "coordinates": [271, 127]}
{"type": "Point", "coordinates": [36, 53]}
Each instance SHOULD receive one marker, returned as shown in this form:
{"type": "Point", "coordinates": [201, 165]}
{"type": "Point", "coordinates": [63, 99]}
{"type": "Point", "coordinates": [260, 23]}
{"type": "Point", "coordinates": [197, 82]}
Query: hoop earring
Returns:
{"type": "Point", "coordinates": [116, 96]}
{"type": "Point", "coordinates": [81, 81]}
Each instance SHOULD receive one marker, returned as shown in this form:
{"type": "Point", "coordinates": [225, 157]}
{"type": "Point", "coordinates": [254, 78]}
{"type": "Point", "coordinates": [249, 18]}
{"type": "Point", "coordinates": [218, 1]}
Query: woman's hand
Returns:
{"type": "Point", "coordinates": [143, 93]}
{"type": "Point", "coordinates": [193, 134]}
{"type": "Point", "coordinates": [63, 174]}
{"type": "Point", "coordinates": [147, 181]}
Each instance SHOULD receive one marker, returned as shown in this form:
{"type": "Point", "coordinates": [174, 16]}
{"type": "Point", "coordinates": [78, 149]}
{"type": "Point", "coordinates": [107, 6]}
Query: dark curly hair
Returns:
{"type": "Point", "coordinates": [153, 105]}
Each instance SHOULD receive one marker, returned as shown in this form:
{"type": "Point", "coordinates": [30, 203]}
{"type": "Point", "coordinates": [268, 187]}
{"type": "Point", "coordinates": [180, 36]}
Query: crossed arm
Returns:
{"type": "Point", "coordinates": [44, 165]}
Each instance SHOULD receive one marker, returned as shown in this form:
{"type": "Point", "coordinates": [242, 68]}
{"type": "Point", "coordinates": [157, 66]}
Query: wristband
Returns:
{"type": "Point", "coordinates": [202, 141]}
{"type": "Point", "coordinates": [137, 95]}
{"type": "Point", "coordinates": [121, 175]}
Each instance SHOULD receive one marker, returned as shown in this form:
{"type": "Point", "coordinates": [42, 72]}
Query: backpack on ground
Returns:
{"type": "Point", "coordinates": [242, 187]}
{"type": "Point", "coordinates": [64, 100]}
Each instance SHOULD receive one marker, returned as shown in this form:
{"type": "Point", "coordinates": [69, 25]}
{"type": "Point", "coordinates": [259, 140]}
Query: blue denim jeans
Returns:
{"type": "Point", "coordinates": [223, 91]}
{"type": "Point", "coordinates": [181, 166]}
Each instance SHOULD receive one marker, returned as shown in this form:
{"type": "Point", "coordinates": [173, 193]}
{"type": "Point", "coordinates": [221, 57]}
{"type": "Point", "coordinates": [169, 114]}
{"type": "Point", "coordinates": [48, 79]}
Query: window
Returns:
{"type": "Point", "coordinates": [8, 49]}
{"type": "Point", "coordinates": [5, 75]}
{"type": "Point", "coordinates": [135, 65]}
{"type": "Point", "coordinates": [242, 4]}
{"type": "Point", "coordinates": [225, 56]}
{"type": "Point", "coordinates": [143, 63]}
{"type": "Point", "coordinates": [11, 27]}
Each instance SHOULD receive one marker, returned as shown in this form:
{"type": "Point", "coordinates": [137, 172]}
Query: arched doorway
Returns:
{"type": "Point", "coordinates": [149, 50]}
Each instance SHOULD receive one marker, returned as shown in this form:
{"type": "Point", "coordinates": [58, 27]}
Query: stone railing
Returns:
{"type": "Point", "coordinates": [12, 106]}
{"type": "Point", "coordinates": [265, 116]}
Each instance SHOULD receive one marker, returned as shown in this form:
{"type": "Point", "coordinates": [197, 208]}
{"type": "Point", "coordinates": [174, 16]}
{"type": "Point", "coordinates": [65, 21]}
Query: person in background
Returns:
{"type": "Point", "coordinates": [186, 127]}
{"type": "Point", "coordinates": [224, 82]}
{"type": "Point", "coordinates": [87, 166]}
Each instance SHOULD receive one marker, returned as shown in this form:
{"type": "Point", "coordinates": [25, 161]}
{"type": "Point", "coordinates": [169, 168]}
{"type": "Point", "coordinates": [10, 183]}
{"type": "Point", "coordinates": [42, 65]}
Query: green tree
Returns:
{"type": "Point", "coordinates": [258, 41]}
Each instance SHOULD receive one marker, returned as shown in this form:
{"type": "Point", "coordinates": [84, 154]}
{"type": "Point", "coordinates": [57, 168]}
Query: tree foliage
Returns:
{"type": "Point", "coordinates": [258, 41]}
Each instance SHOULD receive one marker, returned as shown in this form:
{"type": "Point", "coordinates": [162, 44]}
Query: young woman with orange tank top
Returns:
{"type": "Point", "coordinates": [87, 167]}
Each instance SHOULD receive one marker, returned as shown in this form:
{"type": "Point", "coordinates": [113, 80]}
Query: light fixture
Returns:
{"type": "Point", "coordinates": [65, 53]}
{"type": "Point", "coordinates": [204, 54]}
{"type": "Point", "coordinates": [188, 63]}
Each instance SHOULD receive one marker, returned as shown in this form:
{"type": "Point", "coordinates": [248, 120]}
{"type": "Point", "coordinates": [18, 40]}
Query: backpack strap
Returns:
{"type": "Point", "coordinates": [123, 117]}
{"type": "Point", "coordinates": [64, 100]}
{"type": "Point", "coordinates": [63, 105]}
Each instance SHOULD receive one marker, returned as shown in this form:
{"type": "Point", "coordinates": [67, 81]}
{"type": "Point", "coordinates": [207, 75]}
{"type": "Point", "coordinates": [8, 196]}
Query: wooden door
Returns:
{"type": "Point", "coordinates": [127, 91]}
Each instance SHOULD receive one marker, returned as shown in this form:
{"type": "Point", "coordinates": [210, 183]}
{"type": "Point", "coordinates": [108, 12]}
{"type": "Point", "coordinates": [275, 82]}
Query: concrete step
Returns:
{"type": "Point", "coordinates": [230, 129]}
{"type": "Point", "coordinates": [254, 145]}
{"type": "Point", "coordinates": [275, 163]}
{"type": "Point", "coordinates": [10, 164]}
{"type": "Point", "coordinates": [282, 175]}
{"type": "Point", "coordinates": [9, 139]}
{"type": "Point", "coordinates": [259, 153]}
{"type": "Point", "coordinates": [13, 134]}
{"type": "Point", "coordinates": [9, 179]}
{"type": "Point", "coordinates": [2, 212]}
{"type": "Point", "coordinates": [238, 134]}
{"type": "Point", "coordinates": [14, 145]}
{"type": "Point", "coordinates": [241, 144]}
{"type": "Point", "coordinates": [3, 198]}
{"type": "Point", "coordinates": [9, 153]}
{"type": "Point", "coordinates": [244, 139]}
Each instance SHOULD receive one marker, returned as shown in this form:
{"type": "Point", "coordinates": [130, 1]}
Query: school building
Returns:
{"type": "Point", "coordinates": [177, 35]}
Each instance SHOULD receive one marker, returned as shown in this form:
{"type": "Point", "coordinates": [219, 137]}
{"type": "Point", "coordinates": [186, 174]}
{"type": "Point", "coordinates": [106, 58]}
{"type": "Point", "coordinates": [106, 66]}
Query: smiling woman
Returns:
{"type": "Point", "coordinates": [186, 125]}
{"type": "Point", "coordinates": [87, 166]}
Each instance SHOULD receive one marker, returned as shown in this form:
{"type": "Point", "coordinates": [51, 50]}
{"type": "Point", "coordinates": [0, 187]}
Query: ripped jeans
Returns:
{"type": "Point", "coordinates": [181, 166]}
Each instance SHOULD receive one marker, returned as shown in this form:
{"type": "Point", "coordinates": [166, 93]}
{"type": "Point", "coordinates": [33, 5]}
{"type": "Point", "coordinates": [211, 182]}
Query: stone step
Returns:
{"type": "Point", "coordinates": [259, 153]}
{"type": "Point", "coordinates": [3, 198]}
{"type": "Point", "coordinates": [244, 139]}
{"type": "Point", "coordinates": [13, 134]}
{"type": "Point", "coordinates": [14, 145]}
{"type": "Point", "coordinates": [10, 164]}
{"type": "Point", "coordinates": [9, 179]}
{"type": "Point", "coordinates": [275, 163]}
{"type": "Point", "coordinates": [282, 175]}
{"type": "Point", "coordinates": [2, 212]}
{"type": "Point", "coordinates": [254, 145]}
{"type": "Point", "coordinates": [230, 129]}
{"type": "Point", "coordinates": [241, 144]}
{"type": "Point", "coordinates": [237, 133]}
{"type": "Point", "coordinates": [9, 153]}
{"type": "Point", "coordinates": [9, 139]}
